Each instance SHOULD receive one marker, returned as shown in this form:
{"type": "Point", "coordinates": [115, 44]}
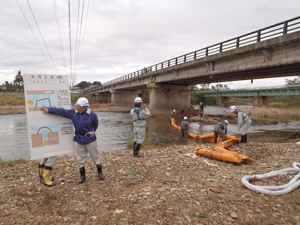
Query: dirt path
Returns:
{"type": "Point", "coordinates": [164, 187]}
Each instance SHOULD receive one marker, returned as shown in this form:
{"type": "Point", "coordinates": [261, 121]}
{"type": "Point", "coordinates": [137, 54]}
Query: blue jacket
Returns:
{"type": "Point", "coordinates": [83, 122]}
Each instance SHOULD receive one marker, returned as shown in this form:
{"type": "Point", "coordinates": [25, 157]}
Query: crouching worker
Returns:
{"type": "Point", "coordinates": [221, 129]}
{"type": "Point", "coordinates": [139, 115]}
{"type": "Point", "coordinates": [85, 123]}
{"type": "Point", "coordinates": [45, 168]}
{"type": "Point", "coordinates": [184, 127]}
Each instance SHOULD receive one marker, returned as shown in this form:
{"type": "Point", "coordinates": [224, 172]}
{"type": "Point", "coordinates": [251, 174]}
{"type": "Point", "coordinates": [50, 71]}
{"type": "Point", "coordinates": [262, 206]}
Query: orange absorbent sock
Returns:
{"type": "Point", "coordinates": [220, 152]}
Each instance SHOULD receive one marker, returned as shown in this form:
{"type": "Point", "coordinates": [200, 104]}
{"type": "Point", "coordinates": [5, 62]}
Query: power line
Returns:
{"type": "Point", "coordinates": [34, 35]}
{"type": "Point", "coordinates": [84, 32]}
{"type": "Point", "coordinates": [41, 35]}
{"type": "Point", "coordinates": [59, 33]}
{"type": "Point", "coordinates": [70, 39]}
{"type": "Point", "coordinates": [77, 59]}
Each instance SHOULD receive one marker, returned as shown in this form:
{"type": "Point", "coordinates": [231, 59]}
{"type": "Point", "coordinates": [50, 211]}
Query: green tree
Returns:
{"type": "Point", "coordinates": [294, 81]}
{"type": "Point", "coordinates": [97, 83]}
{"type": "Point", "coordinates": [83, 84]}
{"type": "Point", "coordinates": [18, 82]}
{"type": "Point", "coordinates": [9, 86]}
{"type": "Point", "coordinates": [220, 87]}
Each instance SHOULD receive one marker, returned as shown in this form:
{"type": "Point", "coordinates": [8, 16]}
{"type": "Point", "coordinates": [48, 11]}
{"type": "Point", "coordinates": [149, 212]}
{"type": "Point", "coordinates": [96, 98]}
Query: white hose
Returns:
{"type": "Point", "coordinates": [275, 190]}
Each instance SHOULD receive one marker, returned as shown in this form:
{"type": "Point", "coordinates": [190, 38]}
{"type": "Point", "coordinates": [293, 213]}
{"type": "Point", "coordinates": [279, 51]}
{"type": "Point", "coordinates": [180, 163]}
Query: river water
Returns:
{"type": "Point", "coordinates": [114, 130]}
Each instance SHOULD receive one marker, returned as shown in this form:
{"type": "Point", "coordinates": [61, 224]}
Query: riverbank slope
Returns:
{"type": "Point", "coordinates": [164, 187]}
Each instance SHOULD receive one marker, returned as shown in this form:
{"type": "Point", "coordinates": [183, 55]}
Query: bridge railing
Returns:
{"type": "Point", "coordinates": [254, 89]}
{"type": "Point", "coordinates": [276, 30]}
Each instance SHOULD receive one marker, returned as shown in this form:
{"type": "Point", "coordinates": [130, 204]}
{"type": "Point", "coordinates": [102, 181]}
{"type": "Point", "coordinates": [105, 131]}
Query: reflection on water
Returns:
{"type": "Point", "coordinates": [113, 132]}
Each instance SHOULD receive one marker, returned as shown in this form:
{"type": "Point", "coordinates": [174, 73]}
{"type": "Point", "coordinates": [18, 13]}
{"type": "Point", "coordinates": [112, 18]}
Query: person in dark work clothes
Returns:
{"type": "Point", "coordinates": [184, 127]}
{"type": "Point", "coordinates": [201, 109]}
{"type": "Point", "coordinates": [221, 129]}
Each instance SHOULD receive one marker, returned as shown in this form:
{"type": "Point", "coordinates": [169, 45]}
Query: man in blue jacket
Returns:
{"type": "Point", "coordinates": [85, 123]}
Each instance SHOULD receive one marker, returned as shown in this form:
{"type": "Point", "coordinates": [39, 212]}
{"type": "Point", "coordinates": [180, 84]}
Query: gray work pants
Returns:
{"type": "Point", "coordinates": [245, 127]}
{"type": "Point", "coordinates": [82, 153]}
{"type": "Point", "coordinates": [139, 134]}
{"type": "Point", "coordinates": [49, 161]}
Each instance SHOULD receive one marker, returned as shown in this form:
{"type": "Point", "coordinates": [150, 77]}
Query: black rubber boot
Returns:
{"type": "Point", "coordinates": [136, 150]}
{"type": "Point", "coordinates": [82, 175]}
{"type": "Point", "coordinates": [100, 174]}
{"type": "Point", "coordinates": [245, 138]}
{"type": "Point", "coordinates": [216, 138]}
{"type": "Point", "coordinates": [134, 144]}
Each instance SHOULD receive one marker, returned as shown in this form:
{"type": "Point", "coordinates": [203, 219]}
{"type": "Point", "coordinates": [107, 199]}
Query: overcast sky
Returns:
{"type": "Point", "coordinates": [123, 36]}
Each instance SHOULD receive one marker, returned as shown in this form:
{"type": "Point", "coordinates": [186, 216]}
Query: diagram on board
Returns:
{"type": "Point", "coordinates": [37, 99]}
{"type": "Point", "coordinates": [45, 135]}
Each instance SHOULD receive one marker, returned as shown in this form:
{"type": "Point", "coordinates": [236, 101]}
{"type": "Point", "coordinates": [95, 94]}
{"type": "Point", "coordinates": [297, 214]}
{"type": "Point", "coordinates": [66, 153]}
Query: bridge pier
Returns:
{"type": "Point", "coordinates": [223, 102]}
{"type": "Point", "coordinates": [261, 100]}
{"type": "Point", "coordinates": [105, 97]}
{"type": "Point", "coordinates": [118, 96]}
{"type": "Point", "coordinates": [164, 97]}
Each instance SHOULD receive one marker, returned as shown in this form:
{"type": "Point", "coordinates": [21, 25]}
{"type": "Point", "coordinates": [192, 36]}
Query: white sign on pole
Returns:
{"type": "Point", "coordinates": [48, 135]}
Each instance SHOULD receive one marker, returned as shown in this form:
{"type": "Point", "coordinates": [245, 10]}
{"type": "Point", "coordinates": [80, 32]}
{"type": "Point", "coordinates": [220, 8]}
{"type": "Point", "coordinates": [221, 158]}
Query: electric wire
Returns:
{"type": "Point", "coordinates": [34, 36]}
{"type": "Point", "coordinates": [70, 40]}
{"type": "Point", "coordinates": [76, 43]}
{"type": "Point", "coordinates": [41, 35]}
{"type": "Point", "coordinates": [83, 36]}
{"type": "Point", "coordinates": [79, 41]}
{"type": "Point", "coordinates": [59, 34]}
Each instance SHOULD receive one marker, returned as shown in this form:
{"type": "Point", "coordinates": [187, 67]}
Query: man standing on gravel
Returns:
{"type": "Point", "coordinates": [243, 122]}
{"type": "Point", "coordinates": [201, 109]}
{"type": "Point", "coordinates": [184, 127]}
{"type": "Point", "coordinates": [139, 114]}
{"type": "Point", "coordinates": [85, 123]}
{"type": "Point", "coordinates": [219, 130]}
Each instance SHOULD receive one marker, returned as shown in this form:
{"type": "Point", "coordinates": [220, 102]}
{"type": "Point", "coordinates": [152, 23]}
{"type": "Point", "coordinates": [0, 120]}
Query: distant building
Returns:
{"type": "Point", "coordinates": [3, 88]}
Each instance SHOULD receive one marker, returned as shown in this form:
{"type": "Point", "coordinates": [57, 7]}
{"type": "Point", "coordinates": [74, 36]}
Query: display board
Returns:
{"type": "Point", "coordinates": [48, 135]}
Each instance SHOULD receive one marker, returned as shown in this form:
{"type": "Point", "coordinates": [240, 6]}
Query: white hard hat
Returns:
{"type": "Point", "coordinates": [82, 102]}
{"type": "Point", "coordinates": [233, 108]}
{"type": "Point", "coordinates": [173, 110]}
{"type": "Point", "coordinates": [185, 118]}
{"type": "Point", "coordinates": [138, 100]}
{"type": "Point", "coordinates": [226, 122]}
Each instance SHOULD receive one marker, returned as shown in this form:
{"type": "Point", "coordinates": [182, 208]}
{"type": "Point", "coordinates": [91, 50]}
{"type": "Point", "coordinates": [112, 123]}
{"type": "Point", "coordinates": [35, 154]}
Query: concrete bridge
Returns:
{"type": "Point", "coordinates": [270, 52]}
{"type": "Point", "coordinates": [260, 95]}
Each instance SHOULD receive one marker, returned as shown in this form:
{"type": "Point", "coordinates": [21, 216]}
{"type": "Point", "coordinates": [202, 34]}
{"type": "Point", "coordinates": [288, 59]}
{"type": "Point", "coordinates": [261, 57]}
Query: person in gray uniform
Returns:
{"type": "Point", "coordinates": [45, 168]}
{"type": "Point", "coordinates": [243, 122]}
{"type": "Point", "coordinates": [139, 114]}
{"type": "Point", "coordinates": [221, 129]}
{"type": "Point", "coordinates": [184, 127]}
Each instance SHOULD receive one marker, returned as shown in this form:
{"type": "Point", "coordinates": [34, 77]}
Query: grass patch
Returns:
{"type": "Point", "coordinates": [12, 163]}
{"type": "Point", "coordinates": [134, 173]}
{"type": "Point", "coordinates": [128, 184]}
{"type": "Point", "coordinates": [12, 99]}
{"type": "Point", "coordinates": [130, 140]}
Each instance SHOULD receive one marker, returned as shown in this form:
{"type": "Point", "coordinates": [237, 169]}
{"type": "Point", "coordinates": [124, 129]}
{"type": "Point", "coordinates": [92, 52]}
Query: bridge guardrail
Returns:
{"type": "Point", "coordinates": [276, 30]}
{"type": "Point", "coordinates": [254, 89]}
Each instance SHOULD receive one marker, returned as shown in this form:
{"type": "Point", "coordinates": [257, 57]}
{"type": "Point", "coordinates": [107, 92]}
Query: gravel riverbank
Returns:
{"type": "Point", "coordinates": [164, 187]}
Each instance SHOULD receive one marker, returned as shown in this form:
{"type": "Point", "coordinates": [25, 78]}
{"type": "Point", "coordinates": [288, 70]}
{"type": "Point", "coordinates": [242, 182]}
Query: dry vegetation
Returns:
{"type": "Point", "coordinates": [164, 187]}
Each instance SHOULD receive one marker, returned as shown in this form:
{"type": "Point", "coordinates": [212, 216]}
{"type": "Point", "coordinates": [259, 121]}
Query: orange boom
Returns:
{"type": "Point", "coordinates": [220, 152]}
